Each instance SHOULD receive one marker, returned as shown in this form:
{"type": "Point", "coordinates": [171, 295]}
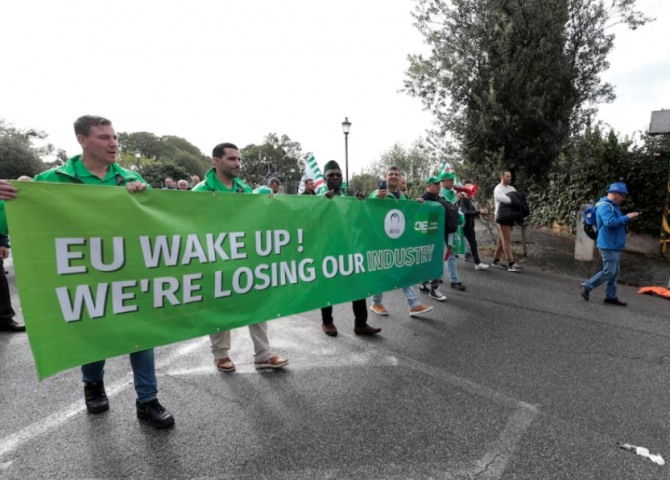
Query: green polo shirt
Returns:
{"type": "Point", "coordinates": [3, 219]}
{"type": "Point", "coordinates": [74, 171]}
{"type": "Point", "coordinates": [211, 183]}
{"type": "Point", "coordinates": [389, 195]}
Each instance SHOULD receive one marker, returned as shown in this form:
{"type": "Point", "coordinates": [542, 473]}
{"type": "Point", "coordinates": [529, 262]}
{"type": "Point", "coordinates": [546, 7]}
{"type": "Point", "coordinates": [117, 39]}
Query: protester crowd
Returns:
{"type": "Point", "coordinates": [97, 165]}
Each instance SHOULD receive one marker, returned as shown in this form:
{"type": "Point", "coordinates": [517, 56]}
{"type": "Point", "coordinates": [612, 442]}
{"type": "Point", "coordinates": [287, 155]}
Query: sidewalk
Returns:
{"type": "Point", "coordinates": [555, 253]}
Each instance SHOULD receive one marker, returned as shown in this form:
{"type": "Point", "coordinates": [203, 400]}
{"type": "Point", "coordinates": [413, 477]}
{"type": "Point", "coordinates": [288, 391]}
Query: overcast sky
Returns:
{"type": "Point", "coordinates": [214, 71]}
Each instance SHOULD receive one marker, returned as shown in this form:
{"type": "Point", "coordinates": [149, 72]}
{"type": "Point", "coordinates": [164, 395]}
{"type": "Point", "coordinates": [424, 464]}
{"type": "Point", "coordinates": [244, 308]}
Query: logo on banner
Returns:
{"type": "Point", "coordinates": [394, 224]}
{"type": "Point", "coordinates": [426, 224]}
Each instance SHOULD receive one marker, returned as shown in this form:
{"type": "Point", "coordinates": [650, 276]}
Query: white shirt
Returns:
{"type": "Point", "coordinates": [500, 195]}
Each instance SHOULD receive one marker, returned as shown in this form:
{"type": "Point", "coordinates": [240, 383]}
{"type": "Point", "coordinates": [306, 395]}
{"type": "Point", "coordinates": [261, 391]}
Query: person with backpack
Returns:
{"type": "Point", "coordinates": [452, 212]}
{"type": "Point", "coordinates": [432, 194]}
{"type": "Point", "coordinates": [505, 225]}
{"type": "Point", "coordinates": [611, 225]}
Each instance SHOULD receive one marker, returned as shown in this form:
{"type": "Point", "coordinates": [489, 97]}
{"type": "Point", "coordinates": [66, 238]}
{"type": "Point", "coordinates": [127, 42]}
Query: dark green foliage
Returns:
{"type": "Point", "coordinates": [165, 149]}
{"type": "Point", "coordinates": [156, 172]}
{"type": "Point", "coordinates": [277, 156]}
{"type": "Point", "coordinates": [512, 79]}
{"type": "Point", "coordinates": [18, 155]}
{"type": "Point", "coordinates": [593, 161]}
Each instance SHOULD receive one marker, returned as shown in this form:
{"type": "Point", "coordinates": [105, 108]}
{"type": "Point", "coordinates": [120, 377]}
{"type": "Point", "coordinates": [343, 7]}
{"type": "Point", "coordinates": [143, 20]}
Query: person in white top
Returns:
{"type": "Point", "coordinates": [504, 244]}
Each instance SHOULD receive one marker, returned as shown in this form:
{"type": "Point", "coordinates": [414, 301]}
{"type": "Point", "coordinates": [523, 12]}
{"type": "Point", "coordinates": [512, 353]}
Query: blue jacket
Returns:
{"type": "Point", "coordinates": [611, 226]}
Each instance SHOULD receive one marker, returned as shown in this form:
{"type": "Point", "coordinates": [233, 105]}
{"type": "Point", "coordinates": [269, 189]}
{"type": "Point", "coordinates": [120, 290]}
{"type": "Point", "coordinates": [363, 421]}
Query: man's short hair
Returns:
{"type": "Point", "coordinates": [82, 126]}
{"type": "Point", "coordinates": [274, 180]}
{"type": "Point", "coordinates": [392, 168]}
{"type": "Point", "coordinates": [221, 148]}
{"type": "Point", "coordinates": [169, 178]}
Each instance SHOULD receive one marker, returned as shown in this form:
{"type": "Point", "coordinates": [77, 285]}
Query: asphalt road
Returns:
{"type": "Point", "coordinates": [516, 378]}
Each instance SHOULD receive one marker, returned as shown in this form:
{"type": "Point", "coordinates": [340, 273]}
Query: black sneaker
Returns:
{"type": "Point", "coordinates": [585, 292]}
{"type": "Point", "coordinates": [155, 414]}
{"type": "Point", "coordinates": [458, 286]}
{"type": "Point", "coordinates": [497, 264]}
{"type": "Point", "coordinates": [424, 288]}
{"type": "Point", "coordinates": [615, 301]}
{"type": "Point", "coordinates": [96, 398]}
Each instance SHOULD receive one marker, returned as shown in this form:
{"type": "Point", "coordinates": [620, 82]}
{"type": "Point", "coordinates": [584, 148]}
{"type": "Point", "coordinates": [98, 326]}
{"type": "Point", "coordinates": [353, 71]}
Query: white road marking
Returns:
{"type": "Point", "coordinates": [55, 420]}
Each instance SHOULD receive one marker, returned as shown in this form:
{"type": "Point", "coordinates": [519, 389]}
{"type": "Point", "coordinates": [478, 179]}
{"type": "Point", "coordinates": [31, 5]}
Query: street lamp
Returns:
{"type": "Point", "coordinates": [138, 155]}
{"type": "Point", "coordinates": [346, 126]}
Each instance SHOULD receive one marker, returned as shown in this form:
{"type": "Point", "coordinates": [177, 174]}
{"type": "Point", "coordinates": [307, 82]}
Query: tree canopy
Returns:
{"type": "Point", "coordinates": [512, 79]}
{"type": "Point", "coordinates": [278, 156]}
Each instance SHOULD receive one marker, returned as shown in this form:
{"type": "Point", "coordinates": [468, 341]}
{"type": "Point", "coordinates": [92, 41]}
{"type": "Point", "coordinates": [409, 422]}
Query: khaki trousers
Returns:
{"type": "Point", "coordinates": [504, 243]}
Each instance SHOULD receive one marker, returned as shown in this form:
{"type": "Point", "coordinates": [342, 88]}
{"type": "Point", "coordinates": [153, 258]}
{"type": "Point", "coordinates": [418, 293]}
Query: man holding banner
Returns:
{"type": "Point", "coordinates": [97, 166]}
{"type": "Point", "coordinates": [224, 177]}
{"type": "Point", "coordinates": [393, 192]}
{"type": "Point", "coordinates": [361, 327]}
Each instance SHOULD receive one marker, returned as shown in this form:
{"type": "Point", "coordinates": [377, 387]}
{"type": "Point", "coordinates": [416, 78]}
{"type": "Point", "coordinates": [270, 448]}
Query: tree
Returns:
{"type": "Point", "coordinates": [363, 182]}
{"type": "Point", "coordinates": [277, 156]}
{"type": "Point", "coordinates": [165, 149]}
{"type": "Point", "coordinates": [19, 154]}
{"type": "Point", "coordinates": [511, 79]}
{"type": "Point", "coordinates": [156, 172]}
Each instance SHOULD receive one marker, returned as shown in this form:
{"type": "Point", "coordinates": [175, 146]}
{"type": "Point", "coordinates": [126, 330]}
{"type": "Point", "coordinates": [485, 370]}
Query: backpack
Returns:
{"type": "Point", "coordinates": [590, 224]}
{"type": "Point", "coordinates": [451, 217]}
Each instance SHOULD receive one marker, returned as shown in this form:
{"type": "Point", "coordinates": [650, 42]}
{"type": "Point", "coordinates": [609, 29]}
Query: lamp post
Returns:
{"type": "Point", "coordinates": [346, 126]}
{"type": "Point", "coordinates": [138, 155]}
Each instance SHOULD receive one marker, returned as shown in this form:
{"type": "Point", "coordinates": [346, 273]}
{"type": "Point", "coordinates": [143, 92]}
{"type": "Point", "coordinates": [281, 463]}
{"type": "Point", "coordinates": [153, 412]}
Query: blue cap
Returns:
{"type": "Point", "coordinates": [618, 187]}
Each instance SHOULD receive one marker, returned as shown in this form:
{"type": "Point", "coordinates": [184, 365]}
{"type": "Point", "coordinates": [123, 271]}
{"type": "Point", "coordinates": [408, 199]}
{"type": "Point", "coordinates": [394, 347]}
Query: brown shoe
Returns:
{"type": "Point", "coordinates": [225, 365]}
{"type": "Point", "coordinates": [419, 309]}
{"type": "Point", "coordinates": [366, 330]}
{"type": "Point", "coordinates": [273, 362]}
{"type": "Point", "coordinates": [379, 310]}
{"type": "Point", "coordinates": [329, 329]}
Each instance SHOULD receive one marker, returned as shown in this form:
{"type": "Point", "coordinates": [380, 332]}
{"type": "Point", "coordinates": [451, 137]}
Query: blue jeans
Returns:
{"type": "Point", "coordinates": [144, 373]}
{"type": "Point", "coordinates": [410, 295]}
{"type": "Point", "coordinates": [452, 268]}
{"type": "Point", "coordinates": [609, 273]}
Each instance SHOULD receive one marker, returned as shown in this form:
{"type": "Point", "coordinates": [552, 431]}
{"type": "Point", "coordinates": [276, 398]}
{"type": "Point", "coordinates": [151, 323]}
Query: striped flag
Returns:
{"type": "Point", "coordinates": [312, 171]}
{"type": "Point", "coordinates": [444, 168]}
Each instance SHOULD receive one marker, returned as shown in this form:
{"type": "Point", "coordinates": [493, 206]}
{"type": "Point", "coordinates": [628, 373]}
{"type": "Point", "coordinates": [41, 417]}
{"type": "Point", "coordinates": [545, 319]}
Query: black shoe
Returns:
{"type": "Point", "coordinates": [615, 301]}
{"type": "Point", "coordinates": [424, 288]}
{"type": "Point", "coordinates": [497, 264]}
{"type": "Point", "coordinates": [585, 292]}
{"type": "Point", "coordinates": [366, 330]}
{"type": "Point", "coordinates": [11, 326]}
{"type": "Point", "coordinates": [155, 414]}
{"type": "Point", "coordinates": [458, 286]}
{"type": "Point", "coordinates": [96, 398]}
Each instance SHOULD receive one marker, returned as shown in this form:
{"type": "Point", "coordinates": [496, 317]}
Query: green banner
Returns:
{"type": "Point", "coordinates": [101, 272]}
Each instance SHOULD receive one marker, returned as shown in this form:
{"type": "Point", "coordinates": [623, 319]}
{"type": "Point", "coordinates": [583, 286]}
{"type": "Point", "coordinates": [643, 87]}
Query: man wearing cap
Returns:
{"type": "Point", "coordinates": [224, 177]}
{"type": "Point", "coordinates": [333, 176]}
{"type": "Point", "coordinates": [432, 194]}
{"type": "Point", "coordinates": [393, 192]}
{"type": "Point", "coordinates": [611, 223]}
{"type": "Point", "coordinates": [449, 194]}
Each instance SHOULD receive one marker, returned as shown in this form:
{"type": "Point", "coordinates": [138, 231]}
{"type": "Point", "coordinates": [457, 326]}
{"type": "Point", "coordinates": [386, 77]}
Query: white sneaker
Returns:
{"type": "Point", "coordinates": [481, 266]}
{"type": "Point", "coordinates": [435, 294]}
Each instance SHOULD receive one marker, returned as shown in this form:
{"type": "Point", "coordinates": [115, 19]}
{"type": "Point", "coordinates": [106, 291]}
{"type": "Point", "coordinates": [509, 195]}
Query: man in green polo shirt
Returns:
{"type": "Point", "coordinates": [97, 166]}
{"type": "Point", "coordinates": [225, 177]}
{"type": "Point", "coordinates": [393, 192]}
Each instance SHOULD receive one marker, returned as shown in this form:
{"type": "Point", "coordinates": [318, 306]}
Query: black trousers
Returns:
{"type": "Point", "coordinates": [469, 234]}
{"type": "Point", "coordinates": [6, 310]}
{"type": "Point", "coordinates": [360, 308]}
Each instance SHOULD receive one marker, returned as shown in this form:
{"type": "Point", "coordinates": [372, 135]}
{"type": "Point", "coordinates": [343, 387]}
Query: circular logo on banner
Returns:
{"type": "Point", "coordinates": [394, 224]}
